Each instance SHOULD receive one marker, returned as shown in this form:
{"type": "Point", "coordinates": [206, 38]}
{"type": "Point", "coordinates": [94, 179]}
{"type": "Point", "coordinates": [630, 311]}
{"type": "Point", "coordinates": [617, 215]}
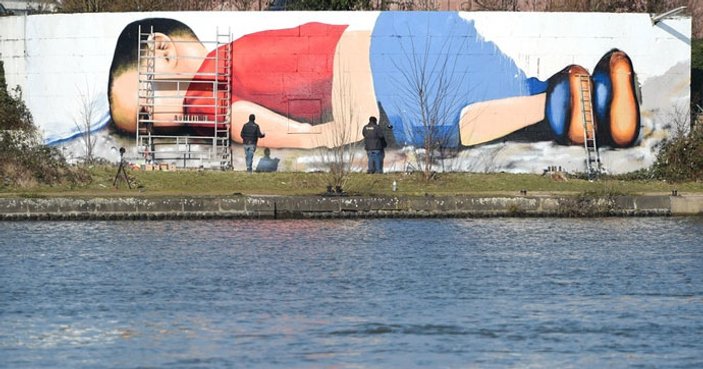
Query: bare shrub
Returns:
{"type": "Point", "coordinates": [681, 156]}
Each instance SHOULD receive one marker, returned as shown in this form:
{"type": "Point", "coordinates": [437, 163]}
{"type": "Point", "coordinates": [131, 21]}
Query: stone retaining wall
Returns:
{"type": "Point", "coordinates": [280, 207]}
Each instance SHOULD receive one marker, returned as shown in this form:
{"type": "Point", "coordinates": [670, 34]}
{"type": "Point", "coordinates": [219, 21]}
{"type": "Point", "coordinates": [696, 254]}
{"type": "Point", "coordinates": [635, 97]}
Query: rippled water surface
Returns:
{"type": "Point", "coordinates": [467, 293]}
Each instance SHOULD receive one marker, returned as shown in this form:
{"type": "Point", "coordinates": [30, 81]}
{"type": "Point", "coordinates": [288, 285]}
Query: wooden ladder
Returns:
{"type": "Point", "coordinates": [593, 164]}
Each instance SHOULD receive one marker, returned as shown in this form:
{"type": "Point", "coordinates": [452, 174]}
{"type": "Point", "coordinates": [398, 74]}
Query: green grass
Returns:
{"type": "Point", "coordinates": [219, 183]}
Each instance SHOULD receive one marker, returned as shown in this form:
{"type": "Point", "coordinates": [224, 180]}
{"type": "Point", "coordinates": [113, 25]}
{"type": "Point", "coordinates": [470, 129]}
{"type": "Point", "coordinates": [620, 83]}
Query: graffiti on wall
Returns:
{"type": "Point", "coordinates": [444, 77]}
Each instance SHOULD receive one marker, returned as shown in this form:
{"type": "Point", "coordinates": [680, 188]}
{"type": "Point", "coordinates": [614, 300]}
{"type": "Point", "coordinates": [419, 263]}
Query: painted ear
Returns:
{"type": "Point", "coordinates": [165, 49]}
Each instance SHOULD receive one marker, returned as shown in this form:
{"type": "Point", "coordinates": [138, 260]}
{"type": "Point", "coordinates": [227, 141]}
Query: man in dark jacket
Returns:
{"type": "Point", "coordinates": [250, 137]}
{"type": "Point", "coordinates": [374, 142]}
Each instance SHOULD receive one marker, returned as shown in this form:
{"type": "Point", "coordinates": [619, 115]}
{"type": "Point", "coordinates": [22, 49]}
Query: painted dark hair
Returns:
{"type": "Point", "coordinates": [126, 52]}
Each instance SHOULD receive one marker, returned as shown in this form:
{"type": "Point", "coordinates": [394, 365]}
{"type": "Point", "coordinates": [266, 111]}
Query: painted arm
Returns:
{"type": "Point", "coordinates": [353, 102]}
{"type": "Point", "coordinates": [279, 131]}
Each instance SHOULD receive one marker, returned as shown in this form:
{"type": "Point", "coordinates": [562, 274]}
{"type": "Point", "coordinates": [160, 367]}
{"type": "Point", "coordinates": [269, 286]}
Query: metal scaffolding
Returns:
{"type": "Point", "coordinates": [593, 164]}
{"type": "Point", "coordinates": [166, 131]}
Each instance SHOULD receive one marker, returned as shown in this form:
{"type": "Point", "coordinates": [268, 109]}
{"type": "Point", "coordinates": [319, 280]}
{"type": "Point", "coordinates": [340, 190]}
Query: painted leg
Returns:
{"type": "Point", "coordinates": [489, 120]}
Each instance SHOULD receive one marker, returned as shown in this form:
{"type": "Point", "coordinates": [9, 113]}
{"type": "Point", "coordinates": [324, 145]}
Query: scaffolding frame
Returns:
{"type": "Point", "coordinates": [172, 136]}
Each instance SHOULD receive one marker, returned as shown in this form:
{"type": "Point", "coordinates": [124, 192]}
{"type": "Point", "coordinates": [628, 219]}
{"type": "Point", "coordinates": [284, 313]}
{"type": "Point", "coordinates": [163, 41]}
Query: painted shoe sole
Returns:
{"type": "Point", "coordinates": [615, 102]}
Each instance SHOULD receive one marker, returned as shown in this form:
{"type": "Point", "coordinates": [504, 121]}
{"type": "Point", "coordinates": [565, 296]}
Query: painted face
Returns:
{"type": "Point", "coordinates": [162, 96]}
{"type": "Point", "coordinates": [166, 103]}
{"type": "Point", "coordinates": [123, 104]}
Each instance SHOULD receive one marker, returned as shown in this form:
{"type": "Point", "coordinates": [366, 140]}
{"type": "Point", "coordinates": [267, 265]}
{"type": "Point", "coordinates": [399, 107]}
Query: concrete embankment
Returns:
{"type": "Point", "coordinates": [281, 207]}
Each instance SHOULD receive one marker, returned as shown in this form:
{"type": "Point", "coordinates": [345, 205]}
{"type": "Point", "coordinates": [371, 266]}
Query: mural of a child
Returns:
{"type": "Point", "coordinates": [278, 73]}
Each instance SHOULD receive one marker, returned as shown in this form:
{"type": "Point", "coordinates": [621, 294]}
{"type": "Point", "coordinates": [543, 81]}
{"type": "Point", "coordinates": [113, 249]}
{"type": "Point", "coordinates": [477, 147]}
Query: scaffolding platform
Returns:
{"type": "Point", "coordinates": [166, 132]}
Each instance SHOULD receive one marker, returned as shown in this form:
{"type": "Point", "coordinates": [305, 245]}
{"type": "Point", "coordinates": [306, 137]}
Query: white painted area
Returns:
{"type": "Point", "coordinates": [544, 43]}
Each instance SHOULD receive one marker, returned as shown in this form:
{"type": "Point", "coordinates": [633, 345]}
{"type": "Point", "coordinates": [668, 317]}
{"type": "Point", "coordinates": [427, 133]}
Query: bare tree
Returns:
{"type": "Point", "coordinates": [619, 6]}
{"type": "Point", "coordinates": [427, 95]}
{"type": "Point", "coordinates": [42, 6]}
{"type": "Point", "coordinates": [419, 5]}
{"type": "Point", "coordinates": [243, 4]}
{"type": "Point", "coordinates": [679, 118]}
{"type": "Point", "coordinates": [339, 158]}
{"type": "Point", "coordinates": [696, 116]}
{"type": "Point", "coordinates": [493, 5]}
{"type": "Point", "coordinates": [696, 9]}
{"type": "Point", "coordinates": [85, 121]}
{"type": "Point", "coordinates": [86, 6]}
{"type": "Point", "coordinates": [95, 6]}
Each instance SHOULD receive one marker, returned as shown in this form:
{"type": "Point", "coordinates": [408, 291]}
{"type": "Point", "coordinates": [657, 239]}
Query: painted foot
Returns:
{"type": "Point", "coordinates": [564, 105]}
{"type": "Point", "coordinates": [615, 102]}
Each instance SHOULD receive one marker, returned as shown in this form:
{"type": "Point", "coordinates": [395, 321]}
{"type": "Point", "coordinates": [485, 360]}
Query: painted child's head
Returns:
{"type": "Point", "coordinates": [171, 40]}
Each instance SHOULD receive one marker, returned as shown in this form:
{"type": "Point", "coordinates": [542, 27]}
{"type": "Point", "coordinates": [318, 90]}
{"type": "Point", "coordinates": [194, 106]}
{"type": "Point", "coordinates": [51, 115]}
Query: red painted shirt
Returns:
{"type": "Point", "coordinates": [288, 71]}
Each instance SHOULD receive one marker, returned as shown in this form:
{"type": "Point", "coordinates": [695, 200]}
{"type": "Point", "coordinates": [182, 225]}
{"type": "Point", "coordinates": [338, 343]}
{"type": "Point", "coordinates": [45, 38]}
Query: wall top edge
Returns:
{"type": "Point", "coordinates": [269, 12]}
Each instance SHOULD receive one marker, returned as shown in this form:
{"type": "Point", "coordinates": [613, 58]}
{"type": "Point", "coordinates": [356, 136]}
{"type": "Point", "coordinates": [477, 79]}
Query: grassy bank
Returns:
{"type": "Point", "coordinates": [217, 183]}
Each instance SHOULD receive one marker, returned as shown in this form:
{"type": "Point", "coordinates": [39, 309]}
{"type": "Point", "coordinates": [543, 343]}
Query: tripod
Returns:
{"type": "Point", "coordinates": [121, 171]}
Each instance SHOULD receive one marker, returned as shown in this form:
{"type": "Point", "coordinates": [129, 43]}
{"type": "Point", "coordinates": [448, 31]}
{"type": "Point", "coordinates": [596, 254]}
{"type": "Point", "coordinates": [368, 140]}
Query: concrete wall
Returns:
{"type": "Point", "coordinates": [510, 81]}
{"type": "Point", "coordinates": [347, 207]}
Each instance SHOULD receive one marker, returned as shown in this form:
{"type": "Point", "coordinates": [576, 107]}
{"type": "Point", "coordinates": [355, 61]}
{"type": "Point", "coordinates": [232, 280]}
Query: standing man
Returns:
{"type": "Point", "coordinates": [374, 142]}
{"type": "Point", "coordinates": [250, 136]}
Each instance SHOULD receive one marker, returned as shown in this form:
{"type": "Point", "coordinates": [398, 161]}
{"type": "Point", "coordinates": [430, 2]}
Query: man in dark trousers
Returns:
{"type": "Point", "coordinates": [374, 142]}
{"type": "Point", "coordinates": [250, 136]}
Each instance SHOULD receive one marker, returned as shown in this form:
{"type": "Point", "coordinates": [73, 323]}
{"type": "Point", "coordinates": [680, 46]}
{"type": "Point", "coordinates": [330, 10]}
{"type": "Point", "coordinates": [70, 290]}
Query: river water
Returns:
{"type": "Point", "coordinates": [381, 293]}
